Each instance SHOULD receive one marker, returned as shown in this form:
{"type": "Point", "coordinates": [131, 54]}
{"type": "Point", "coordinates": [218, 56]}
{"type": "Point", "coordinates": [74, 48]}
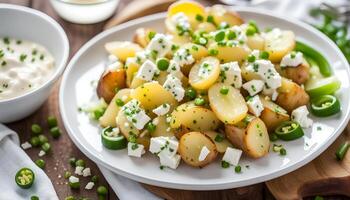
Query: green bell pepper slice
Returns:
{"type": "Point", "coordinates": [112, 140]}
{"type": "Point", "coordinates": [325, 106]}
{"type": "Point", "coordinates": [289, 130]}
{"type": "Point", "coordinates": [316, 56]}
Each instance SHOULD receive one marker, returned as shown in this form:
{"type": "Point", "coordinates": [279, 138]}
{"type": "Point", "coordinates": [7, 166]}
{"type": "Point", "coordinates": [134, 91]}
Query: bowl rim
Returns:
{"type": "Point", "coordinates": [218, 185]}
{"type": "Point", "coordinates": [66, 49]}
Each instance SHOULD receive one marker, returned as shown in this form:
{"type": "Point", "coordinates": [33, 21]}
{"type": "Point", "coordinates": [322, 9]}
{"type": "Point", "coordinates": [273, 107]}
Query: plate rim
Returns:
{"type": "Point", "coordinates": [217, 185]}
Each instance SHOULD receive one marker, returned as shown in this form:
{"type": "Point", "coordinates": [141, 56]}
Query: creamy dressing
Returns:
{"type": "Point", "coordinates": [24, 66]}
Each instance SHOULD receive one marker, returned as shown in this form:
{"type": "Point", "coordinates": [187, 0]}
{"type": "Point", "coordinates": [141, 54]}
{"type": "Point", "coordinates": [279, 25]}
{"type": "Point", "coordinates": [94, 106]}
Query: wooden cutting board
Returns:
{"type": "Point", "coordinates": [323, 176]}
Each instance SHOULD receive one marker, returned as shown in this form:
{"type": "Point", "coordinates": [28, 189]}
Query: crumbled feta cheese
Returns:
{"type": "Point", "coordinates": [87, 172]}
{"type": "Point", "coordinates": [162, 109]}
{"type": "Point", "coordinates": [147, 71]}
{"type": "Point", "coordinates": [203, 154]}
{"type": "Point", "coordinates": [183, 57]}
{"type": "Point", "coordinates": [79, 170]}
{"type": "Point", "coordinates": [255, 53]}
{"type": "Point", "coordinates": [126, 125]}
{"type": "Point", "coordinates": [41, 153]}
{"type": "Point", "coordinates": [204, 70]}
{"type": "Point", "coordinates": [300, 115]}
{"type": "Point", "coordinates": [231, 74]}
{"type": "Point", "coordinates": [168, 119]}
{"type": "Point", "coordinates": [173, 67]}
{"type": "Point", "coordinates": [136, 150]}
{"type": "Point", "coordinates": [174, 85]}
{"type": "Point", "coordinates": [182, 23]}
{"type": "Point", "coordinates": [254, 86]}
{"type": "Point", "coordinates": [232, 156]}
{"type": "Point", "coordinates": [255, 106]}
{"type": "Point", "coordinates": [292, 59]}
{"type": "Point", "coordinates": [73, 179]}
{"type": "Point", "coordinates": [170, 161]}
{"type": "Point", "coordinates": [163, 145]}
{"type": "Point", "coordinates": [142, 56]}
{"type": "Point", "coordinates": [240, 33]}
{"type": "Point", "coordinates": [124, 98]}
{"type": "Point", "coordinates": [160, 45]}
{"type": "Point", "coordinates": [267, 72]}
{"type": "Point", "coordinates": [168, 129]}
{"type": "Point", "coordinates": [26, 145]}
{"type": "Point", "coordinates": [89, 185]}
{"type": "Point", "coordinates": [135, 114]}
{"type": "Point", "coordinates": [130, 61]}
{"type": "Point", "coordinates": [274, 95]}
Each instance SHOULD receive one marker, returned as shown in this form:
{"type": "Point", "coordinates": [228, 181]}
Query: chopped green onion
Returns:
{"type": "Point", "coordinates": [40, 163]}
{"type": "Point", "coordinates": [42, 139]}
{"type": "Point", "coordinates": [199, 18]}
{"type": "Point", "coordinates": [102, 190]}
{"type": "Point", "coordinates": [72, 161]}
{"type": "Point", "coordinates": [80, 163]}
{"type": "Point", "coordinates": [151, 127]}
{"type": "Point", "coordinates": [225, 164]}
{"type": "Point", "coordinates": [46, 147]}
{"type": "Point", "coordinates": [67, 174]}
{"type": "Point", "coordinates": [224, 90]}
{"type": "Point", "coordinates": [199, 101]}
{"type": "Point", "coordinates": [52, 121]}
{"type": "Point", "coordinates": [238, 169]}
{"type": "Point", "coordinates": [55, 132]}
{"type": "Point", "coordinates": [191, 93]}
{"type": "Point", "coordinates": [36, 129]}
{"type": "Point", "coordinates": [34, 141]}
{"type": "Point", "coordinates": [119, 102]}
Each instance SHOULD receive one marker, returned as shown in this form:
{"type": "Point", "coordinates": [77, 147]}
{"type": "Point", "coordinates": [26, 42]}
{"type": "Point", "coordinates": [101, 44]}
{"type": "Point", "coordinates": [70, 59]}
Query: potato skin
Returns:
{"type": "Point", "coordinates": [291, 95]}
{"type": "Point", "coordinates": [220, 146]}
{"type": "Point", "coordinates": [272, 115]}
{"type": "Point", "coordinates": [109, 81]}
{"type": "Point", "coordinates": [222, 14]}
{"type": "Point", "coordinates": [190, 146]}
{"type": "Point", "coordinates": [299, 74]}
{"type": "Point", "coordinates": [141, 36]}
{"type": "Point", "coordinates": [253, 140]}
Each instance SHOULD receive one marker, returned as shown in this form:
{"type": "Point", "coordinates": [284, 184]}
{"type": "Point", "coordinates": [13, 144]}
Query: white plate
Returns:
{"type": "Point", "coordinates": [89, 62]}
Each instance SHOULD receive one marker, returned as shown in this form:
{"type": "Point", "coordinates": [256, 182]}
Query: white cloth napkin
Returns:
{"type": "Point", "coordinates": [13, 158]}
{"type": "Point", "coordinates": [291, 8]}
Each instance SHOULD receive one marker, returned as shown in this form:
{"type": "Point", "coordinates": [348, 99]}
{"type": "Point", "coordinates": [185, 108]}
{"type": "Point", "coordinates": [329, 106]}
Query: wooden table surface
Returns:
{"type": "Point", "coordinates": [63, 148]}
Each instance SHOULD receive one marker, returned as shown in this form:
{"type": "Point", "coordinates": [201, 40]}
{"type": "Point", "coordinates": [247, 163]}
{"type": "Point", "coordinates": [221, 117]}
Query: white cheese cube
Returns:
{"type": "Point", "coordinates": [174, 85]}
{"type": "Point", "coordinates": [300, 115]}
{"type": "Point", "coordinates": [79, 170]}
{"type": "Point", "coordinates": [41, 153]}
{"type": "Point", "coordinates": [142, 56]}
{"type": "Point", "coordinates": [136, 150]}
{"type": "Point", "coordinates": [73, 179]}
{"type": "Point", "coordinates": [203, 154]}
{"type": "Point", "coordinates": [170, 161]}
{"type": "Point", "coordinates": [87, 172]}
{"type": "Point", "coordinates": [147, 71]}
{"type": "Point", "coordinates": [182, 23]}
{"type": "Point", "coordinates": [232, 156]}
{"type": "Point", "coordinates": [173, 67]}
{"type": "Point", "coordinates": [293, 59]}
{"type": "Point", "coordinates": [183, 57]}
{"type": "Point", "coordinates": [267, 72]}
{"type": "Point", "coordinates": [26, 145]}
{"type": "Point", "coordinates": [162, 109]}
{"type": "Point", "coordinates": [135, 114]}
{"type": "Point", "coordinates": [231, 74]}
{"type": "Point", "coordinates": [112, 58]}
{"type": "Point", "coordinates": [89, 185]}
{"type": "Point", "coordinates": [255, 106]}
{"type": "Point", "coordinates": [163, 146]}
{"type": "Point", "coordinates": [160, 45]}
{"type": "Point", "coordinates": [115, 66]}
{"type": "Point", "coordinates": [254, 86]}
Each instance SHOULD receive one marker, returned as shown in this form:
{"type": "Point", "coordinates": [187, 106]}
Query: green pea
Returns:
{"type": "Point", "coordinates": [163, 64]}
{"type": "Point", "coordinates": [220, 36]}
{"type": "Point", "coordinates": [42, 139]}
{"type": "Point", "coordinates": [36, 129]}
{"type": "Point", "coordinates": [75, 185]}
{"type": "Point", "coordinates": [224, 90]}
{"type": "Point", "coordinates": [102, 190]}
{"type": "Point", "coordinates": [67, 174]}
{"type": "Point", "coordinates": [238, 169]}
{"type": "Point", "coordinates": [264, 55]}
{"type": "Point", "coordinates": [72, 161]}
{"type": "Point", "coordinates": [40, 163]}
{"type": "Point", "coordinates": [191, 93]}
{"type": "Point", "coordinates": [251, 58]}
{"type": "Point", "coordinates": [94, 179]}
{"type": "Point", "coordinates": [34, 198]}
{"type": "Point", "coordinates": [51, 121]}
{"type": "Point", "coordinates": [34, 141]}
{"type": "Point", "coordinates": [80, 163]}
{"type": "Point", "coordinates": [283, 152]}
{"type": "Point", "coordinates": [46, 147]}
{"type": "Point", "coordinates": [55, 132]}
{"type": "Point", "coordinates": [250, 31]}
{"type": "Point", "coordinates": [199, 101]}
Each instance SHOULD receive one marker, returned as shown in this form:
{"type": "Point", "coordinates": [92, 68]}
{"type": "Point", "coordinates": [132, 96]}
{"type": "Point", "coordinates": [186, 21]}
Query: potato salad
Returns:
{"type": "Point", "coordinates": [212, 86]}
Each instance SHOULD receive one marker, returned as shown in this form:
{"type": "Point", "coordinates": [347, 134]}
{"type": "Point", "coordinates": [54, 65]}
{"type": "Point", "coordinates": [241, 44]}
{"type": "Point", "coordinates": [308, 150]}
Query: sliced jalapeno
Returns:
{"type": "Point", "coordinates": [325, 106]}
{"type": "Point", "coordinates": [289, 130]}
{"type": "Point", "coordinates": [25, 178]}
{"type": "Point", "coordinates": [111, 139]}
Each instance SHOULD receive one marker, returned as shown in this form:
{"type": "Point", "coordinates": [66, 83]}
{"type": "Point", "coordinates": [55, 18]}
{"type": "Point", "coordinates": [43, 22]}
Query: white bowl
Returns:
{"type": "Point", "coordinates": [29, 24]}
{"type": "Point", "coordinates": [89, 62]}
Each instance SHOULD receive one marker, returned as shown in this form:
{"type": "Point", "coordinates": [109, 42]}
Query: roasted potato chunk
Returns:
{"type": "Point", "coordinates": [110, 81]}
{"type": "Point", "coordinates": [299, 74]}
{"type": "Point", "coordinates": [279, 43]}
{"type": "Point", "coordinates": [253, 140]}
{"type": "Point", "coordinates": [204, 73]}
{"type": "Point", "coordinates": [230, 54]}
{"type": "Point", "coordinates": [272, 115]}
{"type": "Point", "coordinates": [190, 146]}
{"type": "Point", "coordinates": [291, 95]}
{"type": "Point", "coordinates": [122, 50]}
{"type": "Point", "coordinates": [222, 14]}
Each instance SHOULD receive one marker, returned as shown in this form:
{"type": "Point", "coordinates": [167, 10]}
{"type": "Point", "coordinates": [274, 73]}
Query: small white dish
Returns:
{"type": "Point", "coordinates": [89, 63]}
{"type": "Point", "coordinates": [32, 25]}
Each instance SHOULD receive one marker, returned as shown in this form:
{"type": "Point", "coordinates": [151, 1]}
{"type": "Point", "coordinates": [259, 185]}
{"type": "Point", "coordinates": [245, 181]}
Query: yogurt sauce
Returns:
{"type": "Point", "coordinates": [24, 66]}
